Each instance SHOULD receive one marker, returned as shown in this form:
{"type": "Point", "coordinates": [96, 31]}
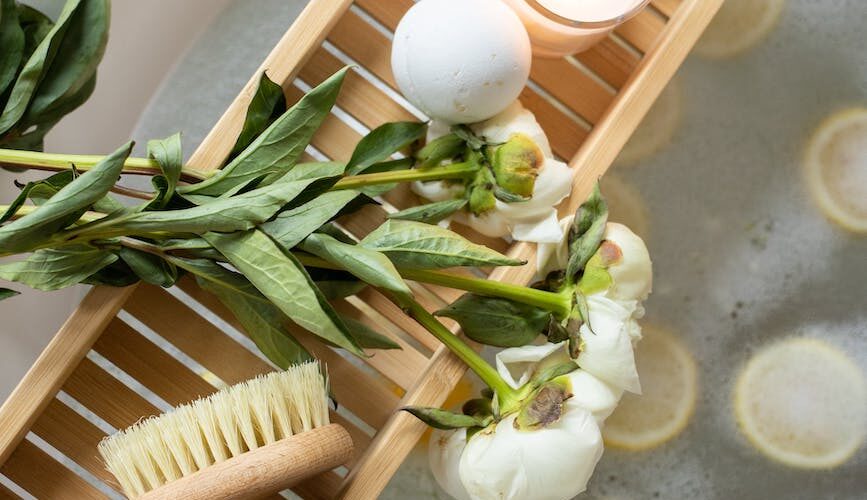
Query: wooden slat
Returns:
{"type": "Point", "coordinates": [610, 60]}
{"type": "Point", "coordinates": [323, 486]}
{"type": "Point", "coordinates": [564, 134]}
{"type": "Point", "coordinates": [401, 320]}
{"type": "Point", "coordinates": [360, 98]}
{"type": "Point", "coordinates": [401, 366]}
{"type": "Point", "coordinates": [43, 477]}
{"type": "Point", "coordinates": [5, 494]}
{"type": "Point", "coordinates": [144, 361]}
{"type": "Point", "coordinates": [74, 436]}
{"type": "Point", "coordinates": [286, 58]}
{"type": "Point", "coordinates": [54, 365]}
{"type": "Point", "coordinates": [642, 30]}
{"type": "Point", "coordinates": [369, 399]}
{"type": "Point", "coordinates": [107, 396]}
{"type": "Point", "coordinates": [667, 7]}
{"type": "Point", "coordinates": [194, 335]}
{"type": "Point", "coordinates": [363, 43]}
{"type": "Point", "coordinates": [572, 87]}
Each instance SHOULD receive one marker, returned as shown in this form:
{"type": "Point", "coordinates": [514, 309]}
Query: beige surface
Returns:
{"type": "Point", "coordinates": [135, 63]}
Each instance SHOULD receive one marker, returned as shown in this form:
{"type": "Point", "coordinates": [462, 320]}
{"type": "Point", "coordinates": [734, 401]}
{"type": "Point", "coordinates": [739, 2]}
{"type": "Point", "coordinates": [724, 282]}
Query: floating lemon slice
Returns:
{"type": "Point", "coordinates": [669, 384]}
{"type": "Point", "coordinates": [803, 403]}
{"type": "Point", "coordinates": [656, 129]}
{"type": "Point", "coordinates": [739, 25]}
{"type": "Point", "coordinates": [836, 168]}
{"type": "Point", "coordinates": [625, 204]}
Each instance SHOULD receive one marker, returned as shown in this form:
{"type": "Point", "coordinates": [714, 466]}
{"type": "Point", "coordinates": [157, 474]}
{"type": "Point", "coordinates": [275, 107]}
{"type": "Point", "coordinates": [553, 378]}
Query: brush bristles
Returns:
{"type": "Point", "coordinates": [226, 424]}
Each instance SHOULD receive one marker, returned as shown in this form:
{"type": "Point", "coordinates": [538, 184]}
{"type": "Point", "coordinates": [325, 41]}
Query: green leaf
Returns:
{"type": "Point", "coordinates": [5, 293]}
{"type": "Point", "coordinates": [53, 269]}
{"type": "Point", "coordinates": [12, 41]}
{"type": "Point", "coordinates": [150, 268]}
{"type": "Point", "coordinates": [479, 408]}
{"type": "Point", "coordinates": [496, 321]}
{"type": "Point", "coordinates": [267, 105]}
{"type": "Point", "coordinates": [367, 337]}
{"type": "Point", "coordinates": [291, 227]}
{"type": "Point", "coordinates": [338, 289]}
{"type": "Point", "coordinates": [238, 213]}
{"type": "Point", "coordinates": [17, 202]}
{"type": "Point", "coordinates": [169, 156]}
{"type": "Point", "coordinates": [263, 323]}
{"type": "Point", "coordinates": [469, 137]}
{"type": "Point", "coordinates": [586, 232]}
{"type": "Point", "coordinates": [443, 419]}
{"type": "Point", "coordinates": [281, 278]}
{"type": "Point", "coordinates": [55, 213]}
{"type": "Point", "coordinates": [117, 274]}
{"type": "Point", "coordinates": [552, 372]}
{"type": "Point", "coordinates": [34, 69]}
{"type": "Point", "coordinates": [430, 213]}
{"type": "Point", "coordinates": [382, 142]}
{"type": "Point", "coordinates": [423, 246]}
{"type": "Point", "coordinates": [74, 65]}
{"type": "Point", "coordinates": [36, 26]}
{"type": "Point", "coordinates": [440, 149]}
{"type": "Point", "coordinates": [370, 266]}
{"type": "Point", "coordinates": [280, 145]}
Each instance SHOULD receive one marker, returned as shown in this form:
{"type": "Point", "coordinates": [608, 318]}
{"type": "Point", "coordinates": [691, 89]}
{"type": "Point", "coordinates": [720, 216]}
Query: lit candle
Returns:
{"type": "Point", "coordinates": [562, 27]}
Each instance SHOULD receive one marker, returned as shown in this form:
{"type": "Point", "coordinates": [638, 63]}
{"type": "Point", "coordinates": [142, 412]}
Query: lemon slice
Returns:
{"type": "Point", "coordinates": [836, 168]}
{"type": "Point", "coordinates": [803, 403]}
{"type": "Point", "coordinates": [625, 204]}
{"type": "Point", "coordinates": [656, 129]}
{"type": "Point", "coordinates": [739, 25]}
{"type": "Point", "coordinates": [669, 383]}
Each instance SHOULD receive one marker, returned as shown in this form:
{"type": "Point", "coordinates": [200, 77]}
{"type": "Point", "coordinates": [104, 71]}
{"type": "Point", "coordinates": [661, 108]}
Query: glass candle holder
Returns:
{"type": "Point", "coordinates": [558, 28]}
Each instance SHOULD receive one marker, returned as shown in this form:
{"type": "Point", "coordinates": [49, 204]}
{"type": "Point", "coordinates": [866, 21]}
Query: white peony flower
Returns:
{"type": "Point", "coordinates": [532, 220]}
{"type": "Point", "coordinates": [606, 351]}
{"type": "Point", "coordinates": [517, 365]}
{"type": "Point", "coordinates": [631, 273]}
{"type": "Point", "coordinates": [444, 452]}
{"type": "Point", "coordinates": [550, 463]}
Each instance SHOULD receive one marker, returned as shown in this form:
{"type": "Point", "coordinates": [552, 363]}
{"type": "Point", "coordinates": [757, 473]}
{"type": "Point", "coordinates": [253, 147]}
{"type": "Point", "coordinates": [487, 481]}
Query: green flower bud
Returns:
{"type": "Point", "coordinates": [516, 165]}
{"type": "Point", "coordinates": [482, 197]}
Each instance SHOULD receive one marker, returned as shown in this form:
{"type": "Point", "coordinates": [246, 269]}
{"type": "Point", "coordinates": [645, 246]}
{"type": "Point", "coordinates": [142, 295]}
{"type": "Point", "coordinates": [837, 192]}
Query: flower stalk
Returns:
{"type": "Point", "coordinates": [506, 395]}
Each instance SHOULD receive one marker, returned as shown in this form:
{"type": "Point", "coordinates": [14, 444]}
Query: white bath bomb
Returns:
{"type": "Point", "coordinates": [461, 61]}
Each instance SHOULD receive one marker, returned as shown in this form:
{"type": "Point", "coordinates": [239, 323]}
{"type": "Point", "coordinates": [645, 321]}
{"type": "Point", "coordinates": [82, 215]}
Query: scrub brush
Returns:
{"type": "Point", "coordinates": [252, 439]}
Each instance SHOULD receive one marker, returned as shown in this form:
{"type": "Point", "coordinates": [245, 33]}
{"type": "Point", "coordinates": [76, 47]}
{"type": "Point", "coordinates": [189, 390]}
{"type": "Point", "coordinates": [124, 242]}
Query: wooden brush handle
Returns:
{"type": "Point", "coordinates": [265, 470]}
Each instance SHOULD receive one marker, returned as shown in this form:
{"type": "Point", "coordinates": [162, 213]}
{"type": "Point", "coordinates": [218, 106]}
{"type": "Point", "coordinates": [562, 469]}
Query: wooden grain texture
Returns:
{"type": "Point", "coordinates": [610, 60]}
{"type": "Point", "coordinates": [55, 427]}
{"type": "Point", "coordinates": [43, 477]}
{"type": "Point", "coordinates": [642, 30]}
{"type": "Point", "coordinates": [667, 7]}
{"type": "Point", "coordinates": [5, 494]}
{"type": "Point", "coordinates": [69, 345]}
{"type": "Point", "coordinates": [265, 470]}
{"type": "Point", "coordinates": [154, 368]}
{"type": "Point", "coordinates": [282, 64]}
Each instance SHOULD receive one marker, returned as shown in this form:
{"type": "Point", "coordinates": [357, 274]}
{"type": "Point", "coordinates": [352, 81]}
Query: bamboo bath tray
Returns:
{"type": "Point", "coordinates": [108, 365]}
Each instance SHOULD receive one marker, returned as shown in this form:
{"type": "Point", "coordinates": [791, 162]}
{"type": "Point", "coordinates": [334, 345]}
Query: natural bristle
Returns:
{"type": "Point", "coordinates": [226, 424]}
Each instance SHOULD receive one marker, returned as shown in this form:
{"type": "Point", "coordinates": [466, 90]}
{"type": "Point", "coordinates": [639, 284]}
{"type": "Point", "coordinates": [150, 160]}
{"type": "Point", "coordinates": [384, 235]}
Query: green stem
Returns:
{"type": "Point", "coordinates": [454, 171]}
{"type": "Point", "coordinates": [59, 162]}
{"type": "Point", "coordinates": [464, 352]}
{"type": "Point", "coordinates": [557, 303]}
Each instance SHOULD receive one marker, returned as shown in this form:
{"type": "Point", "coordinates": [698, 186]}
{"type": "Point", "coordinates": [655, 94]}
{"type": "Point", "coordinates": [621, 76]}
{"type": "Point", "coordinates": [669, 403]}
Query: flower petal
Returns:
{"type": "Point", "coordinates": [517, 364]}
{"type": "Point", "coordinates": [444, 453]}
{"type": "Point", "coordinates": [607, 349]}
{"type": "Point", "coordinates": [551, 463]}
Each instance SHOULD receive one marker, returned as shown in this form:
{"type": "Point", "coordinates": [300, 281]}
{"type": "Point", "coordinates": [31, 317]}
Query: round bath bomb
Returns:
{"type": "Point", "coordinates": [461, 61]}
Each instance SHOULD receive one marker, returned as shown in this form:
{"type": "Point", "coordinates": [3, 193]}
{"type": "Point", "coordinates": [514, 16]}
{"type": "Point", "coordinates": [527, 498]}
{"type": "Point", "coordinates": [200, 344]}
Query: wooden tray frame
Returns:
{"type": "Point", "coordinates": [81, 383]}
